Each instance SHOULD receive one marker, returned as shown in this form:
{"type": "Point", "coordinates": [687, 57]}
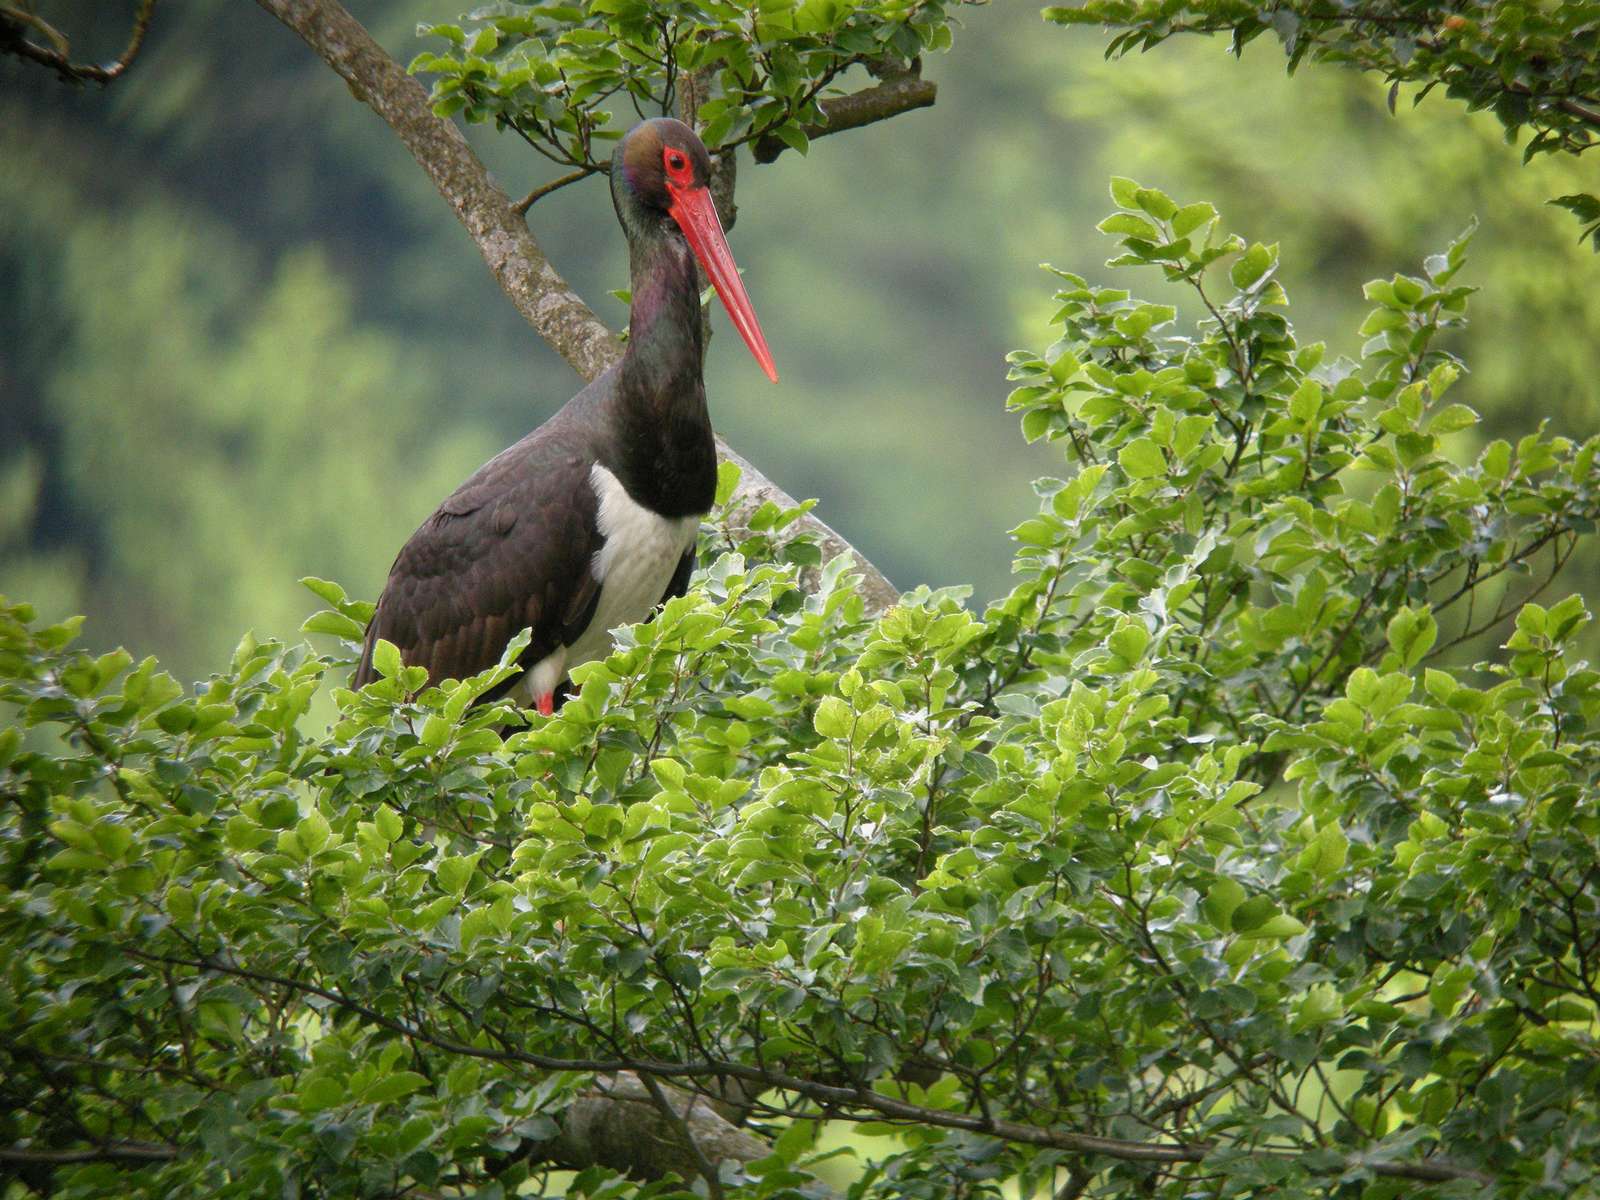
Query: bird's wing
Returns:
{"type": "Point", "coordinates": [512, 549]}
{"type": "Point", "coordinates": [679, 583]}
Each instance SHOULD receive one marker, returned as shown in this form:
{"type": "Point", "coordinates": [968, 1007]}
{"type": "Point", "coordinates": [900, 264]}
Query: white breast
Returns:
{"type": "Point", "coordinates": [641, 551]}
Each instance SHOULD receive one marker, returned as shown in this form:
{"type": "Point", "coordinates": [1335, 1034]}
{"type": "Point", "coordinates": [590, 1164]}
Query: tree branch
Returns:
{"type": "Point", "coordinates": [620, 1125]}
{"type": "Point", "coordinates": [852, 1103]}
{"type": "Point", "coordinates": [519, 265]}
{"type": "Point", "coordinates": [124, 1152]}
{"type": "Point", "coordinates": [895, 95]}
{"type": "Point", "coordinates": [13, 41]}
{"type": "Point", "coordinates": [529, 281]}
{"type": "Point", "coordinates": [555, 185]}
{"type": "Point", "coordinates": [1575, 108]}
{"type": "Point", "coordinates": [755, 489]}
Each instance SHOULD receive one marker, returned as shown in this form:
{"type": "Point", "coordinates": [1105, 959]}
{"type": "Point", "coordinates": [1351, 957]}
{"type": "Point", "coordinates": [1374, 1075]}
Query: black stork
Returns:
{"type": "Point", "coordinates": [589, 522]}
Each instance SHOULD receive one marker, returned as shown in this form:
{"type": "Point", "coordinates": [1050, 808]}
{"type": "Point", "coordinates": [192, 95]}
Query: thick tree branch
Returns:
{"type": "Point", "coordinates": [895, 95]}
{"type": "Point", "coordinates": [519, 265]}
{"type": "Point", "coordinates": [13, 40]}
{"type": "Point", "coordinates": [619, 1124]}
{"type": "Point", "coordinates": [755, 489]}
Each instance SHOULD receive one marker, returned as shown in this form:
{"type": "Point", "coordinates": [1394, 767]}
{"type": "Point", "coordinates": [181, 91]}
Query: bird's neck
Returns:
{"type": "Point", "coordinates": [665, 349]}
{"type": "Point", "coordinates": [665, 450]}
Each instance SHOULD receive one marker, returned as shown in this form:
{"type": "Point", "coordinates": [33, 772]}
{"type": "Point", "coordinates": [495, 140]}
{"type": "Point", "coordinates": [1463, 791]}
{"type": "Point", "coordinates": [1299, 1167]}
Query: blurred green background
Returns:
{"type": "Point", "coordinates": [242, 340]}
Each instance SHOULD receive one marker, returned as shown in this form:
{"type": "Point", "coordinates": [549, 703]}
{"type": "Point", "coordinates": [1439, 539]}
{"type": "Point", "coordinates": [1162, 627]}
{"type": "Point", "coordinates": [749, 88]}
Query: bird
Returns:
{"type": "Point", "coordinates": [589, 522]}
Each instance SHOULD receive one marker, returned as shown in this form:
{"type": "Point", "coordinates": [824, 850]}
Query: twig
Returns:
{"type": "Point", "coordinates": [59, 59]}
{"type": "Point", "coordinates": [708, 1169]}
{"type": "Point", "coordinates": [109, 1152]}
{"type": "Point", "coordinates": [1078, 1179]}
{"type": "Point", "coordinates": [1582, 111]}
{"type": "Point", "coordinates": [522, 206]}
{"type": "Point", "coordinates": [895, 95]}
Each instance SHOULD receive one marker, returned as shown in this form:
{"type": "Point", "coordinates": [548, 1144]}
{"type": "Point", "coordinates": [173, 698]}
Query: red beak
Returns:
{"type": "Point", "coordinates": [696, 215]}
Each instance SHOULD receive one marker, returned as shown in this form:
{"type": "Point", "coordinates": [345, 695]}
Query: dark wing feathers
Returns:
{"type": "Point", "coordinates": [511, 549]}
{"type": "Point", "coordinates": [679, 583]}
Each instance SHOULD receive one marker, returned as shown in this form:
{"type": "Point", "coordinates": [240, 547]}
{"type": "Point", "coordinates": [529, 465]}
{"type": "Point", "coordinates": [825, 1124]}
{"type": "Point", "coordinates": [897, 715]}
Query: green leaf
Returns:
{"type": "Point", "coordinates": [474, 925]}
{"type": "Point", "coordinates": [394, 1087]}
{"type": "Point", "coordinates": [335, 623]}
{"type": "Point", "coordinates": [1452, 418]}
{"type": "Point", "coordinates": [793, 136]}
{"type": "Point", "coordinates": [319, 1093]}
{"type": "Point", "coordinates": [1191, 217]}
{"type": "Point", "coordinates": [1252, 265]}
{"type": "Point", "coordinates": [1131, 226]}
{"type": "Point", "coordinates": [1411, 633]}
{"type": "Point", "coordinates": [1332, 850]}
{"type": "Point", "coordinates": [1129, 641]}
{"type": "Point", "coordinates": [386, 659]}
{"type": "Point", "coordinates": [1253, 913]}
{"type": "Point", "coordinates": [1142, 459]}
{"type": "Point", "coordinates": [388, 823]}
{"type": "Point", "coordinates": [453, 874]}
{"type": "Point", "coordinates": [324, 589]}
{"type": "Point", "coordinates": [314, 832]}
{"type": "Point", "coordinates": [1306, 401]}
{"type": "Point", "coordinates": [728, 474]}
{"type": "Point", "coordinates": [1275, 928]}
{"type": "Point", "coordinates": [1157, 203]}
{"type": "Point", "coordinates": [833, 718]}
{"type": "Point", "coordinates": [1225, 896]}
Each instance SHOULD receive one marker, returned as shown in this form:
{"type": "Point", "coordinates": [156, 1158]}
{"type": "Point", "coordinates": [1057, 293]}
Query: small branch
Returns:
{"type": "Point", "coordinates": [619, 1124]}
{"type": "Point", "coordinates": [555, 185]}
{"type": "Point", "coordinates": [1575, 108]}
{"type": "Point", "coordinates": [138, 1152]}
{"type": "Point", "coordinates": [895, 95]}
{"type": "Point", "coordinates": [58, 60]}
{"type": "Point", "coordinates": [680, 1121]}
{"type": "Point", "coordinates": [1078, 1179]}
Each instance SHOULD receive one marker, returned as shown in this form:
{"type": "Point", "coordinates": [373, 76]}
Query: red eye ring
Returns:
{"type": "Point", "coordinates": [679, 170]}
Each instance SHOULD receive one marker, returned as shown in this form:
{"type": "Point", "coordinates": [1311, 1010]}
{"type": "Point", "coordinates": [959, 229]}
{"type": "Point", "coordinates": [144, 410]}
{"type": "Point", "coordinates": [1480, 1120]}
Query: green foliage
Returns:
{"type": "Point", "coordinates": [1195, 843]}
{"type": "Point", "coordinates": [1521, 61]}
{"type": "Point", "coordinates": [548, 70]}
{"type": "Point", "coordinates": [1587, 209]}
{"type": "Point", "coordinates": [925, 289]}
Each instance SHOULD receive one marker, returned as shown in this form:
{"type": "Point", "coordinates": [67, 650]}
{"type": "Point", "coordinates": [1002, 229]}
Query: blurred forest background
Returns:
{"type": "Point", "coordinates": [242, 340]}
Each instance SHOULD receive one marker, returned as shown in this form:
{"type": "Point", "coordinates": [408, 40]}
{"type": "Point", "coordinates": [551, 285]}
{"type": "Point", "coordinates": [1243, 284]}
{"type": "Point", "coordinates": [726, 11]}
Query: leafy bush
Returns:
{"type": "Point", "coordinates": [1192, 863]}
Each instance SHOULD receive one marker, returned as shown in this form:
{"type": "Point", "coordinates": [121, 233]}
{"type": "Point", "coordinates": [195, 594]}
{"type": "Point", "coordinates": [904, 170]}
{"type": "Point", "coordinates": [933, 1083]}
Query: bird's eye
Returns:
{"type": "Point", "coordinates": [678, 169]}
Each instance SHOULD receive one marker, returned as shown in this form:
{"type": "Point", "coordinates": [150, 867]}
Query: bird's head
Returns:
{"type": "Point", "coordinates": [660, 181]}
